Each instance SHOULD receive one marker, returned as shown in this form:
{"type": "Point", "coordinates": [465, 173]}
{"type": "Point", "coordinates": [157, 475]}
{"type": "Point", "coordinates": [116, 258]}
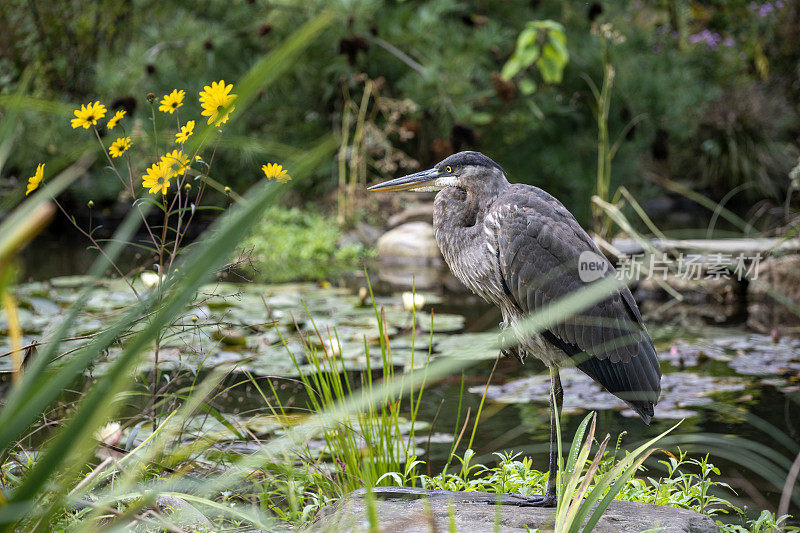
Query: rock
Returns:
{"type": "Point", "coordinates": [414, 213]}
{"type": "Point", "coordinates": [348, 239]}
{"type": "Point", "coordinates": [471, 512]}
{"type": "Point", "coordinates": [363, 233]}
{"type": "Point", "coordinates": [399, 276]}
{"type": "Point", "coordinates": [183, 514]}
{"type": "Point", "coordinates": [780, 276]}
{"type": "Point", "coordinates": [368, 235]}
{"type": "Point", "coordinates": [410, 243]}
{"type": "Point", "coordinates": [409, 256]}
{"type": "Point", "coordinates": [230, 337]}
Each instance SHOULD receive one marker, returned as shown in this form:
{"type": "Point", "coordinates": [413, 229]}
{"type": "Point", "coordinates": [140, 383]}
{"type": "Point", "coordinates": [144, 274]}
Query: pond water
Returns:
{"type": "Point", "coordinates": [736, 391]}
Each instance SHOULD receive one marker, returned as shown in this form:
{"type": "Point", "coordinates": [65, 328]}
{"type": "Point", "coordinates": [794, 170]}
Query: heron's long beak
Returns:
{"type": "Point", "coordinates": [425, 180]}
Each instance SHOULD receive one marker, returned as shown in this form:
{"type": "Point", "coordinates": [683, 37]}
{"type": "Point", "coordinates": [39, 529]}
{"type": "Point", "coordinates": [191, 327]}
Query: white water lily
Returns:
{"type": "Point", "coordinates": [150, 279]}
{"type": "Point", "coordinates": [109, 434]}
{"type": "Point", "coordinates": [413, 301]}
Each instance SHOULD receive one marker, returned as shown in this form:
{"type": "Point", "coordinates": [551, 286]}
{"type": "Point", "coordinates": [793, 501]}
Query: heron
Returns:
{"type": "Point", "coordinates": [517, 247]}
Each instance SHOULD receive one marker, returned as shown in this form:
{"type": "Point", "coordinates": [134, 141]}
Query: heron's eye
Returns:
{"type": "Point", "coordinates": [448, 169]}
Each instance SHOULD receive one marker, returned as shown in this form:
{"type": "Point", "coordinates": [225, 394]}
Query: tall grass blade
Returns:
{"type": "Point", "coordinates": [73, 441]}
{"type": "Point", "coordinates": [40, 384]}
{"type": "Point", "coordinates": [625, 468]}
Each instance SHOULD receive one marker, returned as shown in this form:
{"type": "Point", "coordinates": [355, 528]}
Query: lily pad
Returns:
{"type": "Point", "coordinates": [678, 390]}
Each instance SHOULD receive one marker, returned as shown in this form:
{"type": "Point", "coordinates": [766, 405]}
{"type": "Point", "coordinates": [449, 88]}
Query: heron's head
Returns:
{"type": "Point", "coordinates": [465, 170]}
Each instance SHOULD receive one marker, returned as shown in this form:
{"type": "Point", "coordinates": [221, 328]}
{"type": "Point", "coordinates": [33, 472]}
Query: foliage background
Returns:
{"type": "Point", "coordinates": [711, 85]}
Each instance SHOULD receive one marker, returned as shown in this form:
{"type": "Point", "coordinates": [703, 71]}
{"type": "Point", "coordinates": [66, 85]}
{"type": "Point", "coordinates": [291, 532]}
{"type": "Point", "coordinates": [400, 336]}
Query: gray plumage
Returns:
{"type": "Point", "coordinates": [518, 248]}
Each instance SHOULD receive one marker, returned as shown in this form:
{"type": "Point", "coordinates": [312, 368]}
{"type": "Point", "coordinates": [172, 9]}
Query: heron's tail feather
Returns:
{"type": "Point", "coordinates": [643, 409]}
{"type": "Point", "coordinates": [637, 381]}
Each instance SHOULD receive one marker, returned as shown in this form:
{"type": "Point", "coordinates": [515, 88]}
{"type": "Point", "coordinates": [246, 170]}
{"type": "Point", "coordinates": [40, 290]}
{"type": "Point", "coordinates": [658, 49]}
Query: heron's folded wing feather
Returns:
{"type": "Point", "coordinates": [539, 243]}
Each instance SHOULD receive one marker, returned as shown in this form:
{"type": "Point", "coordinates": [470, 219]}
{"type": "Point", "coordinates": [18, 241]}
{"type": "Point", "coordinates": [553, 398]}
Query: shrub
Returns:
{"type": "Point", "coordinates": [299, 244]}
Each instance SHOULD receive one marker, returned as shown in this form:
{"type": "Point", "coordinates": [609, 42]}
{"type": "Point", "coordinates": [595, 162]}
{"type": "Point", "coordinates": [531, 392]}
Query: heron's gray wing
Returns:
{"type": "Point", "coordinates": [539, 243]}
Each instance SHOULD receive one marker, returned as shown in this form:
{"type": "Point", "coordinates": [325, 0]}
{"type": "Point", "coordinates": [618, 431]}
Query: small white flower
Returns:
{"type": "Point", "coordinates": [109, 434]}
{"type": "Point", "coordinates": [413, 301]}
{"type": "Point", "coordinates": [150, 279]}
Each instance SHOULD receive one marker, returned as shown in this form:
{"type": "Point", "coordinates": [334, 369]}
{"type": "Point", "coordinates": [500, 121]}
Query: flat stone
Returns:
{"type": "Point", "coordinates": [183, 514]}
{"type": "Point", "coordinates": [472, 512]}
{"type": "Point", "coordinates": [411, 243]}
{"type": "Point", "coordinates": [414, 213]}
{"type": "Point", "coordinates": [405, 276]}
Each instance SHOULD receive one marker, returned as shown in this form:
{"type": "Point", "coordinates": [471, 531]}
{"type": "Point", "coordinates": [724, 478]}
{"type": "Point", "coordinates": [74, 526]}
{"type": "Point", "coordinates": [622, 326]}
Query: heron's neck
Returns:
{"type": "Point", "coordinates": [458, 223]}
{"type": "Point", "coordinates": [457, 208]}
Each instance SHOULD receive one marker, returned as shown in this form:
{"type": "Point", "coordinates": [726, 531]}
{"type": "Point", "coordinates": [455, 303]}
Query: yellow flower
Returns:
{"type": "Point", "coordinates": [36, 179]}
{"type": "Point", "coordinates": [175, 162]}
{"type": "Point", "coordinates": [215, 100]}
{"type": "Point", "coordinates": [172, 101]}
{"type": "Point", "coordinates": [88, 115]}
{"type": "Point", "coordinates": [276, 172]}
{"type": "Point", "coordinates": [113, 121]}
{"type": "Point", "coordinates": [186, 132]}
{"type": "Point", "coordinates": [120, 146]}
{"type": "Point", "coordinates": [156, 178]}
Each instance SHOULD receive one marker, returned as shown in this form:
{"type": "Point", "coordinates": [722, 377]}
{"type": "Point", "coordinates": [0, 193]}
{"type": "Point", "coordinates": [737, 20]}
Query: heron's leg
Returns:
{"type": "Point", "coordinates": [557, 393]}
{"type": "Point", "coordinates": [549, 498]}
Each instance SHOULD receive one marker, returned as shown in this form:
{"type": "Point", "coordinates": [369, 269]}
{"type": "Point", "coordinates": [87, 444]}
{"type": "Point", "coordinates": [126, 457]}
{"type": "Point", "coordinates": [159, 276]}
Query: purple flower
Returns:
{"type": "Point", "coordinates": [779, 4]}
{"type": "Point", "coordinates": [656, 48]}
{"type": "Point", "coordinates": [728, 41]}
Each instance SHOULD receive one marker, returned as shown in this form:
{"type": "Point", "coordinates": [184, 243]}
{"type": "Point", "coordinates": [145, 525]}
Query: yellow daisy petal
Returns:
{"type": "Point", "coordinates": [175, 163]}
{"type": "Point", "coordinates": [113, 121]}
{"type": "Point", "coordinates": [276, 172]}
{"type": "Point", "coordinates": [172, 101]}
{"type": "Point", "coordinates": [185, 133]}
{"type": "Point", "coordinates": [88, 115]}
{"type": "Point", "coordinates": [36, 179]}
{"type": "Point", "coordinates": [120, 146]}
{"type": "Point", "coordinates": [156, 178]}
{"type": "Point", "coordinates": [216, 101]}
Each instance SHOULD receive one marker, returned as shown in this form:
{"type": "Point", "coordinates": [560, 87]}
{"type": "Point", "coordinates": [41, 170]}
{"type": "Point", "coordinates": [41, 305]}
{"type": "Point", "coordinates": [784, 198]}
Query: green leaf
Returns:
{"type": "Point", "coordinates": [527, 86]}
{"type": "Point", "coordinates": [511, 68]}
{"type": "Point", "coordinates": [550, 64]}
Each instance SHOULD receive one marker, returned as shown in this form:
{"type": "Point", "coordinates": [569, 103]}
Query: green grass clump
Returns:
{"type": "Point", "coordinates": [685, 483]}
{"type": "Point", "coordinates": [299, 244]}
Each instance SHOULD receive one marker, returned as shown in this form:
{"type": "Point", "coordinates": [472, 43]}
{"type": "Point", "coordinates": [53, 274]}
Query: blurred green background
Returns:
{"type": "Point", "coordinates": [707, 89]}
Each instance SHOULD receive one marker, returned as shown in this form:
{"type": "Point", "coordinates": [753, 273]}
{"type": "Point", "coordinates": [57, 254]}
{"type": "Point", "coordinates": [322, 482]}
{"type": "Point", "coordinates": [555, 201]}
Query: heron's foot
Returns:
{"type": "Point", "coordinates": [536, 500]}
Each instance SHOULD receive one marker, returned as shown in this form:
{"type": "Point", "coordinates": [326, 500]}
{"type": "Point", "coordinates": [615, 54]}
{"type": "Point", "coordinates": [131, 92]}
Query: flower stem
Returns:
{"type": "Point", "coordinates": [110, 161]}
